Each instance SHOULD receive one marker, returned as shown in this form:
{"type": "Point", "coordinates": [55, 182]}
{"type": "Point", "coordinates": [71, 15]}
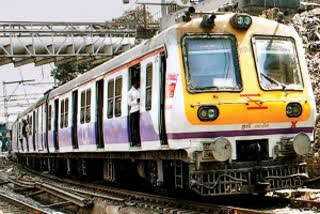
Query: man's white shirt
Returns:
{"type": "Point", "coordinates": [133, 96]}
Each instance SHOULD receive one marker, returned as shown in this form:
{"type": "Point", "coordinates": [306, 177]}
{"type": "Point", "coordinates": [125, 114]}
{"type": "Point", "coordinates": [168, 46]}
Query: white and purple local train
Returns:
{"type": "Point", "coordinates": [226, 108]}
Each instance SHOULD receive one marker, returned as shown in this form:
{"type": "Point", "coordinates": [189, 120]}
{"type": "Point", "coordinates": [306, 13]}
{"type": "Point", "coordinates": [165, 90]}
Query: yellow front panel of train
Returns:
{"type": "Point", "coordinates": [251, 104]}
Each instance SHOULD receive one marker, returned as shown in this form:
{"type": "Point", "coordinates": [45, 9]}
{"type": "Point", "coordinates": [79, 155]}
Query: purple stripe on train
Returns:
{"type": "Point", "coordinates": [86, 134]}
{"type": "Point", "coordinates": [50, 140]}
{"type": "Point", "coordinates": [116, 130]}
{"type": "Point", "coordinates": [147, 130]}
{"type": "Point", "coordinates": [239, 133]}
{"type": "Point", "coordinates": [65, 137]}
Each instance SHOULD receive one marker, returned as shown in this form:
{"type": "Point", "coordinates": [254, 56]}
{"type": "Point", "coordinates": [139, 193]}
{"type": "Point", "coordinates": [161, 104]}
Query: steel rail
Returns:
{"type": "Point", "coordinates": [157, 200]}
{"type": "Point", "coordinates": [21, 183]}
{"type": "Point", "coordinates": [56, 191]}
{"type": "Point", "coordinates": [94, 194]}
{"type": "Point", "coordinates": [79, 201]}
{"type": "Point", "coordinates": [27, 206]}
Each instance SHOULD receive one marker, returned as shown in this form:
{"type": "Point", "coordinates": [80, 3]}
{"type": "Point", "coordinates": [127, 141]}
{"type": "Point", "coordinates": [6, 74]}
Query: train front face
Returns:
{"type": "Point", "coordinates": [248, 103]}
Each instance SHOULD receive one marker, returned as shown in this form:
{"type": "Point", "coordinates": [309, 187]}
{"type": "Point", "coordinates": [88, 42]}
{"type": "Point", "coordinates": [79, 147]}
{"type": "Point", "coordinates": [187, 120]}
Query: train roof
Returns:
{"type": "Point", "coordinates": [154, 43]}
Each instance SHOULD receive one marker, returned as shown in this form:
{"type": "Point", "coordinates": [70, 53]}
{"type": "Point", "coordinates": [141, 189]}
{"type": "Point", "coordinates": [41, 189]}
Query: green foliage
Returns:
{"type": "Point", "coordinates": [67, 72]}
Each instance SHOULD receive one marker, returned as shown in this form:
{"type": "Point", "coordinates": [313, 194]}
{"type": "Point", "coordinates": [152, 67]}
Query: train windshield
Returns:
{"type": "Point", "coordinates": [277, 63]}
{"type": "Point", "coordinates": [211, 63]}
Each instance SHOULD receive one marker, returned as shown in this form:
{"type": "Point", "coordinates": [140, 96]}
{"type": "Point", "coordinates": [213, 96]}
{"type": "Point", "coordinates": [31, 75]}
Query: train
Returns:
{"type": "Point", "coordinates": [226, 108]}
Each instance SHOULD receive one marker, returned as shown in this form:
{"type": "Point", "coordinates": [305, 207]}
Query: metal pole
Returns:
{"type": "Point", "coordinates": [6, 116]}
{"type": "Point", "coordinates": [145, 16]}
{"type": "Point", "coordinates": [163, 13]}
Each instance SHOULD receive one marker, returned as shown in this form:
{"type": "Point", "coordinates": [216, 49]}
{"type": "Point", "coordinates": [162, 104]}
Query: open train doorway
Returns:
{"type": "Point", "coordinates": [99, 113]}
{"type": "Point", "coordinates": [162, 121]}
{"type": "Point", "coordinates": [55, 125]}
{"type": "Point", "coordinates": [74, 120]}
{"type": "Point", "coordinates": [134, 105]}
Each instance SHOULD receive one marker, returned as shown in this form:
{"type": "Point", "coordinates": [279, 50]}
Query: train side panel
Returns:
{"type": "Point", "coordinates": [115, 123]}
{"type": "Point", "coordinates": [64, 123]}
{"type": "Point", "coordinates": [86, 116]}
{"type": "Point", "coordinates": [51, 114]}
{"type": "Point", "coordinates": [149, 108]}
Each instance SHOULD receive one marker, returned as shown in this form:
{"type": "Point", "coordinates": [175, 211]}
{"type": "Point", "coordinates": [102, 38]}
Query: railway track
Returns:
{"type": "Point", "coordinates": [138, 199]}
{"type": "Point", "coordinates": [10, 204]}
{"type": "Point", "coordinates": [80, 194]}
{"type": "Point", "coordinates": [162, 204]}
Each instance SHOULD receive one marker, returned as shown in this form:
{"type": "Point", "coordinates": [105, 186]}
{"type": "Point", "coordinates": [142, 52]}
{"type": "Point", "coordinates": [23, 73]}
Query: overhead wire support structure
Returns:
{"type": "Point", "coordinates": [61, 42]}
{"type": "Point", "coordinates": [7, 98]}
{"type": "Point", "coordinates": [21, 100]}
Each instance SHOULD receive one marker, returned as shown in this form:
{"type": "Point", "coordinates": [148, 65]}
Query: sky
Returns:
{"type": "Point", "coordinates": [63, 10]}
{"type": "Point", "coordinates": [51, 10]}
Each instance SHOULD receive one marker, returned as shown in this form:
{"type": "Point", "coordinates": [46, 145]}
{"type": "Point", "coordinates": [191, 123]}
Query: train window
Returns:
{"type": "Point", "coordinates": [277, 63]}
{"type": "Point", "coordinates": [27, 124]}
{"type": "Point", "coordinates": [61, 113]}
{"type": "Point", "coordinates": [49, 117]}
{"type": "Point", "coordinates": [66, 109]}
{"type": "Point", "coordinates": [82, 110]}
{"type": "Point", "coordinates": [64, 113]}
{"type": "Point", "coordinates": [211, 63]}
{"type": "Point", "coordinates": [30, 125]}
{"type": "Point", "coordinates": [110, 98]}
{"type": "Point", "coordinates": [19, 130]}
{"type": "Point", "coordinates": [88, 105]}
{"type": "Point", "coordinates": [118, 93]}
{"type": "Point", "coordinates": [36, 122]}
{"type": "Point", "coordinates": [148, 86]}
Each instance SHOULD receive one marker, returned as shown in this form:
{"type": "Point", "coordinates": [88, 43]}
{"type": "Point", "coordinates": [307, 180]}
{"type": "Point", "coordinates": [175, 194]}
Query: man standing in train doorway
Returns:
{"type": "Point", "coordinates": [134, 103]}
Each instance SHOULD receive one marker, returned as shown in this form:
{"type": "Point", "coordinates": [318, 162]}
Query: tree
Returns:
{"type": "Point", "coordinates": [67, 72]}
{"type": "Point", "coordinates": [132, 19]}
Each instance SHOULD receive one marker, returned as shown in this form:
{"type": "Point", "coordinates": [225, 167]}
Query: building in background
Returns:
{"type": "Point", "coordinates": [5, 134]}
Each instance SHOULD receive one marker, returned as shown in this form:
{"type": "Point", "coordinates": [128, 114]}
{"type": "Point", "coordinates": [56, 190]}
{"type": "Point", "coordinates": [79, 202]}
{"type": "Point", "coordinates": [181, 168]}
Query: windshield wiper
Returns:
{"type": "Point", "coordinates": [274, 81]}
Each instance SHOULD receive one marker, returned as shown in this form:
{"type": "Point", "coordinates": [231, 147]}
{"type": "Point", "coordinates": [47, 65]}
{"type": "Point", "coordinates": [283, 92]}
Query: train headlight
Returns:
{"type": "Point", "coordinates": [208, 113]}
{"type": "Point", "coordinates": [301, 144]}
{"type": "Point", "coordinates": [212, 113]}
{"type": "Point", "coordinates": [221, 149]}
{"type": "Point", "coordinates": [241, 21]}
{"type": "Point", "coordinates": [294, 110]}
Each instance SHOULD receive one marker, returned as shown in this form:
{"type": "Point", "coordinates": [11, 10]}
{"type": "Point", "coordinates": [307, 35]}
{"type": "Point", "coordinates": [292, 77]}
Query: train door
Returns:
{"type": "Point", "coordinates": [55, 125]}
{"type": "Point", "coordinates": [134, 74]}
{"type": "Point", "coordinates": [33, 130]}
{"type": "Point", "coordinates": [38, 130]}
{"type": "Point", "coordinates": [74, 120]}
{"type": "Point", "coordinates": [42, 127]}
{"type": "Point", "coordinates": [162, 122]}
{"type": "Point", "coordinates": [46, 138]}
{"type": "Point", "coordinates": [99, 113]}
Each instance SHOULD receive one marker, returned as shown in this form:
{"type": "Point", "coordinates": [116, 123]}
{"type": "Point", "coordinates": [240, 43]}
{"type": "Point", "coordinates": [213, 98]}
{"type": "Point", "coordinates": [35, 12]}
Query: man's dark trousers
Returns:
{"type": "Point", "coordinates": [135, 128]}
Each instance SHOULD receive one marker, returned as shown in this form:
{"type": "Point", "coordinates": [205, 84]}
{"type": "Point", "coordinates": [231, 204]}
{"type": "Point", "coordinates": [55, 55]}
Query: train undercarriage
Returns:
{"type": "Point", "coordinates": [170, 171]}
